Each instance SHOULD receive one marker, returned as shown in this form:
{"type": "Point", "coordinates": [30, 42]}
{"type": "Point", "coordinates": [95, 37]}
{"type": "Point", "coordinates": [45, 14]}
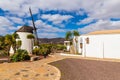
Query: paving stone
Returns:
{"type": "Point", "coordinates": [18, 73]}
{"type": "Point", "coordinates": [52, 74]}
{"type": "Point", "coordinates": [46, 75]}
{"type": "Point", "coordinates": [27, 67]}
{"type": "Point", "coordinates": [25, 75]}
{"type": "Point", "coordinates": [24, 70]}
{"type": "Point", "coordinates": [37, 75]}
{"type": "Point", "coordinates": [6, 79]}
{"type": "Point", "coordinates": [37, 70]}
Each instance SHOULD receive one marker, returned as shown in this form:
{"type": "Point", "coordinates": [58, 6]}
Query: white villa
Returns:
{"type": "Point", "coordinates": [27, 44]}
{"type": "Point", "coordinates": [99, 44]}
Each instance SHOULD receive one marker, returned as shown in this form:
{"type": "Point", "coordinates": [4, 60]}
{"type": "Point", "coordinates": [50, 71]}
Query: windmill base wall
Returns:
{"type": "Point", "coordinates": [27, 44]}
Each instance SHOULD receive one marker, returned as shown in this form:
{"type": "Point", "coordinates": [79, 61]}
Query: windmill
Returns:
{"type": "Point", "coordinates": [34, 28]}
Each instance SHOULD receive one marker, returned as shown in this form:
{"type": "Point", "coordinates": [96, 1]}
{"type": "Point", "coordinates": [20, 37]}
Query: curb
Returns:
{"type": "Point", "coordinates": [63, 54]}
{"type": "Point", "coordinates": [58, 72]}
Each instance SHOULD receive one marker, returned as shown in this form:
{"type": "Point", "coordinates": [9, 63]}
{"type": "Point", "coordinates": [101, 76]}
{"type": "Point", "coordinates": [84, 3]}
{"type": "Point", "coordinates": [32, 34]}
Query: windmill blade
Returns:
{"type": "Point", "coordinates": [34, 28]}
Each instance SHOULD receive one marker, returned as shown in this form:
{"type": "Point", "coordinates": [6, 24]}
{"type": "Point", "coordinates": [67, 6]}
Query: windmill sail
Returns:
{"type": "Point", "coordinates": [34, 28]}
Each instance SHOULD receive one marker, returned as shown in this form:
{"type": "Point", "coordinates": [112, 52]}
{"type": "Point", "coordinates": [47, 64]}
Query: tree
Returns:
{"type": "Point", "coordinates": [18, 44]}
{"type": "Point", "coordinates": [14, 43]}
{"type": "Point", "coordinates": [68, 35]}
{"type": "Point", "coordinates": [2, 42]}
{"type": "Point", "coordinates": [8, 39]}
{"type": "Point", "coordinates": [75, 33]}
{"type": "Point", "coordinates": [8, 42]}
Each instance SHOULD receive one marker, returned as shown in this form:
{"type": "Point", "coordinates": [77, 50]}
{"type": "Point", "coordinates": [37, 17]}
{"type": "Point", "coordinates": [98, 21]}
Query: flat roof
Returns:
{"type": "Point", "coordinates": [104, 32]}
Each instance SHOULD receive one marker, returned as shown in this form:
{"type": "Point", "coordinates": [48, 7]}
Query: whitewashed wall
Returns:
{"type": "Point", "coordinates": [112, 46]}
{"type": "Point", "coordinates": [67, 44]}
{"type": "Point", "coordinates": [101, 46]}
{"type": "Point", "coordinates": [27, 44]}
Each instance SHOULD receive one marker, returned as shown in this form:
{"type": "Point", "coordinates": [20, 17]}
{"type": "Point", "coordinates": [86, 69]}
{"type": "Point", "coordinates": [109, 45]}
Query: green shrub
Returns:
{"type": "Point", "coordinates": [44, 51]}
{"type": "Point", "coordinates": [20, 55]}
{"type": "Point", "coordinates": [60, 47]}
{"type": "Point", "coordinates": [36, 51]}
{"type": "Point", "coordinates": [3, 53]}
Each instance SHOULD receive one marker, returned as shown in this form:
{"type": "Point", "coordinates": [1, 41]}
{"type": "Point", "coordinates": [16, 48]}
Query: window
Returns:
{"type": "Point", "coordinates": [87, 40]}
{"type": "Point", "coordinates": [81, 45]}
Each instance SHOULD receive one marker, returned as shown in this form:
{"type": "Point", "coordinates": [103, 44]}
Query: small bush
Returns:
{"type": "Point", "coordinates": [36, 51]}
{"type": "Point", "coordinates": [60, 47]}
{"type": "Point", "coordinates": [44, 51]}
{"type": "Point", "coordinates": [3, 54]}
{"type": "Point", "coordinates": [20, 55]}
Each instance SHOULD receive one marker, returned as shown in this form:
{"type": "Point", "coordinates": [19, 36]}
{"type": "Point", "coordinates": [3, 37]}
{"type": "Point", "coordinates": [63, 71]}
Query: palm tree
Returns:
{"type": "Point", "coordinates": [8, 42]}
{"type": "Point", "coordinates": [68, 35]}
{"type": "Point", "coordinates": [2, 42]}
{"type": "Point", "coordinates": [14, 43]}
{"type": "Point", "coordinates": [75, 33]}
{"type": "Point", "coordinates": [18, 44]}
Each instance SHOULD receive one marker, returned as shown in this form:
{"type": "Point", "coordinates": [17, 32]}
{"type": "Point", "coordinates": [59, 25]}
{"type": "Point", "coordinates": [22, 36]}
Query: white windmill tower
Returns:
{"type": "Point", "coordinates": [23, 32]}
{"type": "Point", "coordinates": [26, 43]}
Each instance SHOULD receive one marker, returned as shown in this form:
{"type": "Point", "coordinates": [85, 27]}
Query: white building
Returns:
{"type": "Point", "coordinates": [67, 44]}
{"type": "Point", "coordinates": [100, 44]}
{"type": "Point", "coordinates": [27, 44]}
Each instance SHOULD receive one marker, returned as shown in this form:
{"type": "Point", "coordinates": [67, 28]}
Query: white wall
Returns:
{"type": "Point", "coordinates": [101, 46]}
{"type": "Point", "coordinates": [94, 48]}
{"type": "Point", "coordinates": [112, 46]}
{"type": "Point", "coordinates": [67, 44]}
{"type": "Point", "coordinates": [76, 44]}
{"type": "Point", "coordinates": [27, 44]}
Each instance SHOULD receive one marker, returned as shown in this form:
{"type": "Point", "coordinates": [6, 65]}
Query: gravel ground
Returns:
{"type": "Point", "coordinates": [81, 69]}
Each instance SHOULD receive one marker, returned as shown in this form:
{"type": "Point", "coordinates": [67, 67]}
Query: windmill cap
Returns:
{"type": "Point", "coordinates": [25, 29]}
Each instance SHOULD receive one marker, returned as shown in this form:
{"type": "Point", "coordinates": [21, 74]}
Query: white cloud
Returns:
{"type": "Point", "coordinates": [4, 21]}
{"type": "Point", "coordinates": [85, 21]}
{"type": "Point", "coordinates": [100, 25]}
{"type": "Point", "coordinates": [46, 27]}
{"type": "Point", "coordinates": [101, 10]}
{"type": "Point", "coordinates": [95, 8]}
{"type": "Point", "coordinates": [57, 18]}
{"type": "Point", "coordinates": [16, 20]}
{"type": "Point", "coordinates": [21, 7]}
{"type": "Point", "coordinates": [6, 26]}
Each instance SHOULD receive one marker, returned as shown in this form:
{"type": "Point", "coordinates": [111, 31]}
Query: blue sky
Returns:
{"type": "Point", "coordinates": [55, 17]}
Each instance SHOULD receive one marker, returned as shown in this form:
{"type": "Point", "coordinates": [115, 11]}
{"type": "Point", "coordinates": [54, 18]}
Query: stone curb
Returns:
{"type": "Point", "coordinates": [63, 54]}
{"type": "Point", "coordinates": [58, 72]}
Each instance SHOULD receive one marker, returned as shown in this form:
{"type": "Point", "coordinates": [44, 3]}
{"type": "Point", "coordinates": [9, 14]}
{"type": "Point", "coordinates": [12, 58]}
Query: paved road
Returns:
{"type": "Point", "coordinates": [81, 69]}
